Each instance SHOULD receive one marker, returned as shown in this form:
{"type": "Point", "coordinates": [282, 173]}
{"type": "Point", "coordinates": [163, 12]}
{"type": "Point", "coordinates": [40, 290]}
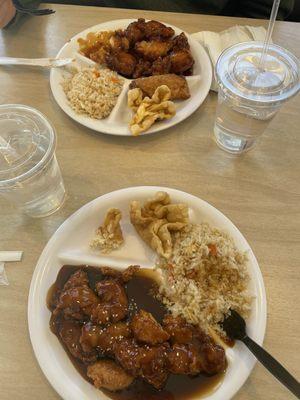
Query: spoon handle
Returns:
{"type": "Point", "coordinates": [273, 366]}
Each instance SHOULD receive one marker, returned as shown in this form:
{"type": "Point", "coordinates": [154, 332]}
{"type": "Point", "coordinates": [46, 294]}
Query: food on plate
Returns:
{"type": "Point", "coordinates": [157, 220]}
{"type": "Point", "coordinates": [177, 84]}
{"type": "Point", "coordinates": [92, 91]}
{"type": "Point", "coordinates": [96, 45]}
{"type": "Point", "coordinates": [109, 375]}
{"type": "Point", "coordinates": [138, 354]}
{"type": "Point", "coordinates": [109, 235]}
{"type": "Point", "coordinates": [148, 110]}
{"type": "Point", "coordinates": [142, 49]}
{"type": "Point", "coordinates": [205, 276]}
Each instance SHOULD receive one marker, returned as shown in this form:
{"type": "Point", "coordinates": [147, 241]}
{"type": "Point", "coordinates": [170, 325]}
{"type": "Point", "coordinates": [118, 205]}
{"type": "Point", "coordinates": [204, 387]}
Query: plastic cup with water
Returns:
{"type": "Point", "coordinates": [30, 177]}
{"type": "Point", "coordinates": [250, 94]}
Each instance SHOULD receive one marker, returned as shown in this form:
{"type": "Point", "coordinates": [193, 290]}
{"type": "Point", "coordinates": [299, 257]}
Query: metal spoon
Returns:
{"type": "Point", "coordinates": [235, 327]}
{"type": "Point", "coordinates": [36, 62]}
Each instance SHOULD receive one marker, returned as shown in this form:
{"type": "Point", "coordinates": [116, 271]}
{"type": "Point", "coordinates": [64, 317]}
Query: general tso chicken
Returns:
{"type": "Point", "coordinates": [142, 49]}
{"type": "Point", "coordinates": [114, 342]}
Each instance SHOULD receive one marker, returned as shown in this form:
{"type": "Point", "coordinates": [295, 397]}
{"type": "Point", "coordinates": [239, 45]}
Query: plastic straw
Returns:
{"type": "Point", "coordinates": [272, 20]}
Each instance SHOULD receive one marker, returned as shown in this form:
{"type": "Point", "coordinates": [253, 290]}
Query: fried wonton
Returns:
{"type": "Point", "coordinates": [148, 110]}
{"type": "Point", "coordinates": [157, 219]}
{"type": "Point", "coordinates": [109, 235]}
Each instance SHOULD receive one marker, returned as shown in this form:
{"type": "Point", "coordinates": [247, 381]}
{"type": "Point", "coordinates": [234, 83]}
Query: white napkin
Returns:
{"type": "Point", "coordinates": [214, 43]}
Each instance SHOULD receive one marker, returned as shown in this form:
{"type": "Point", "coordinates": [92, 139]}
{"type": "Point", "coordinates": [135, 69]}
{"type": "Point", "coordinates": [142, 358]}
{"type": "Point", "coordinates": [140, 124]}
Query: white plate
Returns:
{"type": "Point", "coordinates": [70, 245]}
{"type": "Point", "coordinates": [117, 122]}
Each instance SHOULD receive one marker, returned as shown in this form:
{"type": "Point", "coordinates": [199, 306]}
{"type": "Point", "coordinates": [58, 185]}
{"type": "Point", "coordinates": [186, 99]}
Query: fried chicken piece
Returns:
{"type": "Point", "coordinates": [179, 330]}
{"type": "Point", "coordinates": [154, 29]}
{"type": "Point", "coordinates": [181, 61]}
{"type": "Point", "coordinates": [150, 363]}
{"type": "Point", "coordinates": [113, 305]}
{"type": "Point", "coordinates": [142, 68]}
{"type": "Point", "coordinates": [177, 84]}
{"type": "Point", "coordinates": [146, 329]}
{"type": "Point", "coordinates": [103, 338]}
{"type": "Point", "coordinates": [109, 375]}
{"type": "Point", "coordinates": [123, 276]}
{"type": "Point", "coordinates": [180, 42]}
{"type": "Point", "coordinates": [161, 66]}
{"type": "Point", "coordinates": [122, 62]}
{"type": "Point", "coordinates": [70, 332]}
{"type": "Point", "coordinates": [135, 32]}
{"type": "Point", "coordinates": [119, 41]}
{"type": "Point", "coordinates": [77, 300]}
{"type": "Point", "coordinates": [151, 50]}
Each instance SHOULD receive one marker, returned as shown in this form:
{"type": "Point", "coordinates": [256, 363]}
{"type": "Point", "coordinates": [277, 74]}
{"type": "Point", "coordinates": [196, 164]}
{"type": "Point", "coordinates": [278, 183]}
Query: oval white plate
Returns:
{"type": "Point", "coordinates": [117, 122]}
{"type": "Point", "coordinates": [70, 245]}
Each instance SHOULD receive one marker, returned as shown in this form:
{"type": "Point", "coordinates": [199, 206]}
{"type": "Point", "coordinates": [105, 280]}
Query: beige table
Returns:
{"type": "Point", "coordinates": [259, 192]}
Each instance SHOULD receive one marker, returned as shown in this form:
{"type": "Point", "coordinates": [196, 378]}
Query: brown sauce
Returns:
{"type": "Point", "coordinates": [140, 291]}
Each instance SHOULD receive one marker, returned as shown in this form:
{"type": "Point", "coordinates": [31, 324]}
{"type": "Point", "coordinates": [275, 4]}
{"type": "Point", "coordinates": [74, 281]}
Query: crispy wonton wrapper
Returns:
{"type": "Point", "coordinates": [109, 235]}
{"type": "Point", "coordinates": [157, 219]}
{"type": "Point", "coordinates": [148, 110]}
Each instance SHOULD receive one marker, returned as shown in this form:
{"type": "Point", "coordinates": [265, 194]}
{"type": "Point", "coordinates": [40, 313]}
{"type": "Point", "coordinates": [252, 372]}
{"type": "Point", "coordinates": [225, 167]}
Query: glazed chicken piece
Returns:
{"type": "Point", "coordinates": [103, 338]}
{"type": "Point", "coordinates": [180, 42]}
{"type": "Point", "coordinates": [184, 359]}
{"type": "Point", "coordinates": [153, 364]}
{"type": "Point", "coordinates": [193, 358]}
{"type": "Point", "coordinates": [213, 356]}
{"type": "Point", "coordinates": [153, 49]}
{"type": "Point", "coordinates": [135, 31]}
{"type": "Point", "coordinates": [121, 62]}
{"type": "Point", "coordinates": [109, 375]}
{"type": "Point", "coordinates": [113, 302]}
{"type": "Point", "coordinates": [142, 68]}
{"type": "Point", "coordinates": [193, 350]}
{"type": "Point", "coordinates": [77, 300]}
{"type": "Point", "coordinates": [150, 363]}
{"type": "Point", "coordinates": [161, 66]}
{"type": "Point", "coordinates": [70, 332]}
{"type": "Point", "coordinates": [147, 330]}
{"type": "Point", "coordinates": [179, 330]}
{"type": "Point", "coordinates": [124, 276]}
{"type": "Point", "coordinates": [154, 29]}
{"type": "Point", "coordinates": [127, 353]}
{"type": "Point", "coordinates": [181, 61]}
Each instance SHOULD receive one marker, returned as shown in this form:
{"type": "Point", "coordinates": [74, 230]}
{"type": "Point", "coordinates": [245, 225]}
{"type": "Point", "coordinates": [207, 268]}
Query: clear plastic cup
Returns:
{"type": "Point", "coordinates": [250, 95]}
{"type": "Point", "coordinates": [30, 177]}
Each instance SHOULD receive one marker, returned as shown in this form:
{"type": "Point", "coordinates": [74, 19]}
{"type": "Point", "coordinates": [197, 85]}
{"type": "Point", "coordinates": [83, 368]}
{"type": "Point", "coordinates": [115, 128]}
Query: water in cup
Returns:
{"type": "Point", "coordinates": [249, 95]}
{"type": "Point", "coordinates": [30, 176]}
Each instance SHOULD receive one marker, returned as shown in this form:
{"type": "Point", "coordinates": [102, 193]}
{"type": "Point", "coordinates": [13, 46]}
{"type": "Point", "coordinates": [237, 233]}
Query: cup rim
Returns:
{"type": "Point", "coordinates": [262, 101]}
{"type": "Point", "coordinates": [48, 154]}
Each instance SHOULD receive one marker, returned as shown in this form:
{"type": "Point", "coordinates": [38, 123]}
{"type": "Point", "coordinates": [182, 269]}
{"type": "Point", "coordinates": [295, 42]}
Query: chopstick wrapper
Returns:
{"type": "Point", "coordinates": [10, 255]}
{"type": "Point", "coordinates": [7, 256]}
{"type": "Point", "coordinates": [214, 43]}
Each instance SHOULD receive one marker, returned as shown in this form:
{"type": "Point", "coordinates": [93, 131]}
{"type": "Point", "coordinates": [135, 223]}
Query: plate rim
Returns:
{"type": "Point", "coordinates": [41, 262]}
{"type": "Point", "coordinates": [110, 130]}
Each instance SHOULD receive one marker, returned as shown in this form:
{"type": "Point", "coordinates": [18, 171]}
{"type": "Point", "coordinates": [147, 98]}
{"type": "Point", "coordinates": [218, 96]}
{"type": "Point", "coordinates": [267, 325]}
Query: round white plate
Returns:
{"type": "Point", "coordinates": [70, 245]}
{"type": "Point", "coordinates": [117, 122]}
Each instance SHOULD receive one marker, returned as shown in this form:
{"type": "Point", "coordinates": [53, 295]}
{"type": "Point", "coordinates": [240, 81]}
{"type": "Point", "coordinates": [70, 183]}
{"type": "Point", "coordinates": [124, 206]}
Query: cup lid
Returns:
{"type": "Point", "coordinates": [27, 141]}
{"type": "Point", "coordinates": [241, 73]}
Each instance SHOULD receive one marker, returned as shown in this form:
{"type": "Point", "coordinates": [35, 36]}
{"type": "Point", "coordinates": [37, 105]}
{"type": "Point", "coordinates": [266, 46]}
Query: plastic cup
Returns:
{"type": "Point", "coordinates": [30, 177]}
{"type": "Point", "coordinates": [250, 95]}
